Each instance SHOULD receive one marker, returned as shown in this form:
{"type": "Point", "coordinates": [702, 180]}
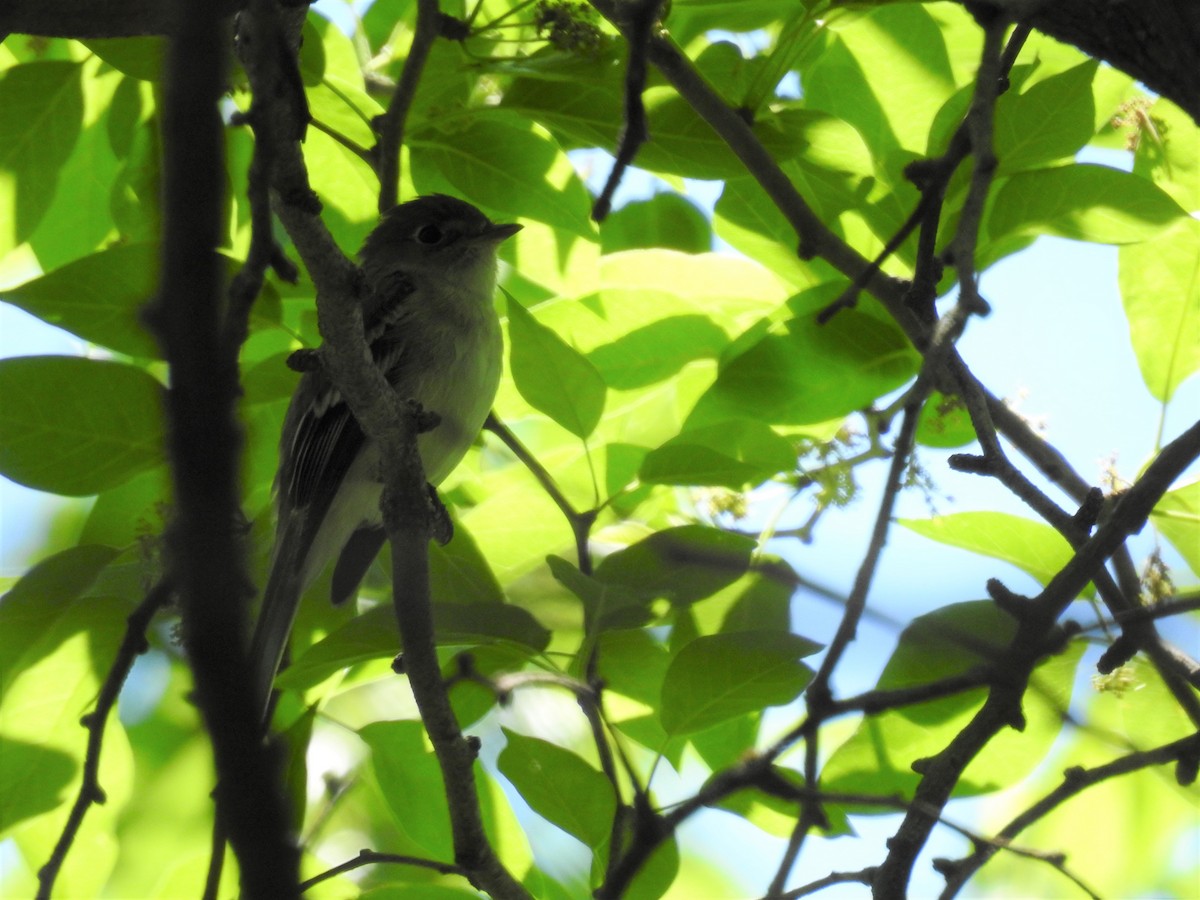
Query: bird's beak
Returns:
{"type": "Point", "coordinates": [497, 233]}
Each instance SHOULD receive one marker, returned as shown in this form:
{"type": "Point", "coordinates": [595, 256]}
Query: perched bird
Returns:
{"type": "Point", "coordinates": [430, 272]}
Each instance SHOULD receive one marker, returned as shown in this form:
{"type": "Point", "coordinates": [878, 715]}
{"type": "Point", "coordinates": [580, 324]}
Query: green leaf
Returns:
{"type": "Point", "coordinates": [944, 422]}
{"type": "Point", "coordinates": [746, 218]}
{"type": "Point", "coordinates": [374, 635]}
{"type": "Point", "coordinates": [77, 426]}
{"type": "Point", "coordinates": [803, 372]}
{"type": "Point", "coordinates": [582, 104]}
{"type": "Point", "coordinates": [411, 782]}
{"type": "Point", "coordinates": [683, 564]}
{"type": "Point", "coordinates": [727, 743]}
{"type": "Point", "coordinates": [684, 144]}
{"type": "Point", "coordinates": [33, 779]}
{"type": "Point", "coordinates": [605, 605]}
{"type": "Point", "coordinates": [560, 787]}
{"type": "Point", "coordinates": [508, 165]}
{"type": "Point", "coordinates": [666, 220]}
{"type": "Point", "coordinates": [578, 99]}
{"type": "Point", "coordinates": [1166, 152]}
{"type": "Point", "coordinates": [718, 677]}
{"type": "Point", "coordinates": [140, 57]}
{"type": "Point", "coordinates": [1160, 290]}
{"type": "Point", "coordinates": [459, 572]}
{"type": "Point", "coordinates": [633, 664]}
{"type": "Point", "coordinates": [656, 351]}
{"type": "Point", "coordinates": [733, 454]}
{"type": "Point", "coordinates": [1177, 516]}
{"type": "Point", "coordinates": [887, 73]}
{"type": "Point", "coordinates": [53, 582]}
{"type": "Point", "coordinates": [1047, 123]}
{"type": "Point", "coordinates": [1031, 546]}
{"type": "Point", "coordinates": [691, 18]}
{"type": "Point", "coordinates": [56, 644]}
{"type": "Point", "coordinates": [41, 115]}
{"type": "Point", "coordinates": [99, 297]}
{"type": "Point", "coordinates": [296, 739]}
{"type": "Point", "coordinates": [129, 511]}
{"type": "Point", "coordinates": [552, 376]}
{"type": "Point", "coordinates": [1083, 202]}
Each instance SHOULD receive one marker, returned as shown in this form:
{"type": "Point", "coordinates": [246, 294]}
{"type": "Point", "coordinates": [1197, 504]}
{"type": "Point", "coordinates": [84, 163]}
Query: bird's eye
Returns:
{"type": "Point", "coordinates": [429, 235]}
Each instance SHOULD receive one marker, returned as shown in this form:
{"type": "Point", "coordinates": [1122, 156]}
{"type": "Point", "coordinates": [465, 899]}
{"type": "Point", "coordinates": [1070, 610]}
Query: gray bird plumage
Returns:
{"type": "Point", "coordinates": [430, 272]}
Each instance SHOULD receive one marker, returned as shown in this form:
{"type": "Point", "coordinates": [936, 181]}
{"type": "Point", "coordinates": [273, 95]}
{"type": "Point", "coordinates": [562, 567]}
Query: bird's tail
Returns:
{"type": "Point", "coordinates": [281, 599]}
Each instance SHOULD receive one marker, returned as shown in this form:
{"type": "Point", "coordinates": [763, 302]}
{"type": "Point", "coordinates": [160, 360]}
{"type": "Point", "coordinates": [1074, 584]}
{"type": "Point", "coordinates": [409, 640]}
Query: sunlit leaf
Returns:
{"type": "Point", "coordinates": [683, 564]}
{"type": "Point", "coordinates": [1048, 122]}
{"type": "Point", "coordinates": [804, 372]}
{"type": "Point", "coordinates": [1177, 516]}
{"type": "Point", "coordinates": [411, 782]}
{"type": "Point", "coordinates": [508, 165]}
{"type": "Point", "coordinates": [951, 641]}
{"type": "Point", "coordinates": [77, 426]}
{"type": "Point", "coordinates": [41, 112]}
{"type": "Point", "coordinates": [1084, 202]}
{"type": "Point", "coordinates": [1160, 290]}
{"type": "Point", "coordinates": [1032, 546]}
{"type": "Point", "coordinates": [553, 376]}
{"type": "Point", "coordinates": [559, 786]}
{"type": "Point", "coordinates": [98, 297]}
{"type": "Point", "coordinates": [720, 676]}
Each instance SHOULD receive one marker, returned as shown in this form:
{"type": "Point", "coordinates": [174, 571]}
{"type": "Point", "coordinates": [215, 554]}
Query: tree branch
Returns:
{"type": "Point", "coordinates": [204, 441]}
{"type": "Point", "coordinates": [1002, 707]}
{"type": "Point", "coordinates": [391, 123]}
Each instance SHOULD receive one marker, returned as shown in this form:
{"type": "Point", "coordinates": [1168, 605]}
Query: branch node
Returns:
{"type": "Point", "coordinates": [303, 200]}
{"type": "Point", "coordinates": [305, 360]}
{"type": "Point", "coordinates": [1088, 514]}
{"type": "Point", "coordinates": [945, 867]}
{"type": "Point", "coordinates": [452, 28]}
{"type": "Point", "coordinates": [1119, 652]}
{"type": "Point", "coordinates": [398, 664]}
{"type": "Point", "coordinates": [282, 266]}
{"type": "Point", "coordinates": [1186, 769]}
{"type": "Point", "coordinates": [971, 464]}
{"type": "Point", "coordinates": [441, 527]}
{"type": "Point", "coordinates": [1009, 602]}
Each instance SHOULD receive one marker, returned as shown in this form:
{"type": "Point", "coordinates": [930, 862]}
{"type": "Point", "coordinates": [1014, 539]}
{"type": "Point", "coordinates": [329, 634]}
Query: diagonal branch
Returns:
{"type": "Point", "coordinates": [1002, 707]}
{"type": "Point", "coordinates": [1075, 781]}
{"type": "Point", "coordinates": [204, 442]}
{"type": "Point", "coordinates": [391, 123]}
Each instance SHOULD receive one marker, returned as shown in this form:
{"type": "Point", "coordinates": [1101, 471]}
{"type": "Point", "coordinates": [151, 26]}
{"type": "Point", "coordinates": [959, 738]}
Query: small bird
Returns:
{"type": "Point", "coordinates": [430, 273]}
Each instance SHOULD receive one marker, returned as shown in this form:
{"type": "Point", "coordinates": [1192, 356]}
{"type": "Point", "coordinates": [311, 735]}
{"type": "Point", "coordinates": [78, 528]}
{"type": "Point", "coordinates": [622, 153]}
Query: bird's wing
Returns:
{"type": "Point", "coordinates": [326, 438]}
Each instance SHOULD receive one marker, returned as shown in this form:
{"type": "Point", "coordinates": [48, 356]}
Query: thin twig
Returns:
{"type": "Point", "coordinates": [391, 124]}
{"type": "Point", "coordinates": [640, 18]}
{"type": "Point", "coordinates": [862, 876]}
{"type": "Point", "coordinates": [373, 857]}
{"type": "Point", "coordinates": [133, 645]}
{"type": "Point", "coordinates": [580, 522]}
{"type": "Point", "coordinates": [1075, 780]}
{"type": "Point", "coordinates": [1002, 707]}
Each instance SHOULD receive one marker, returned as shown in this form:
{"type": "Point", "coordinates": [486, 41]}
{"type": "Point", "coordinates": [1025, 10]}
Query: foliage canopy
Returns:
{"type": "Point", "coordinates": [602, 552]}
